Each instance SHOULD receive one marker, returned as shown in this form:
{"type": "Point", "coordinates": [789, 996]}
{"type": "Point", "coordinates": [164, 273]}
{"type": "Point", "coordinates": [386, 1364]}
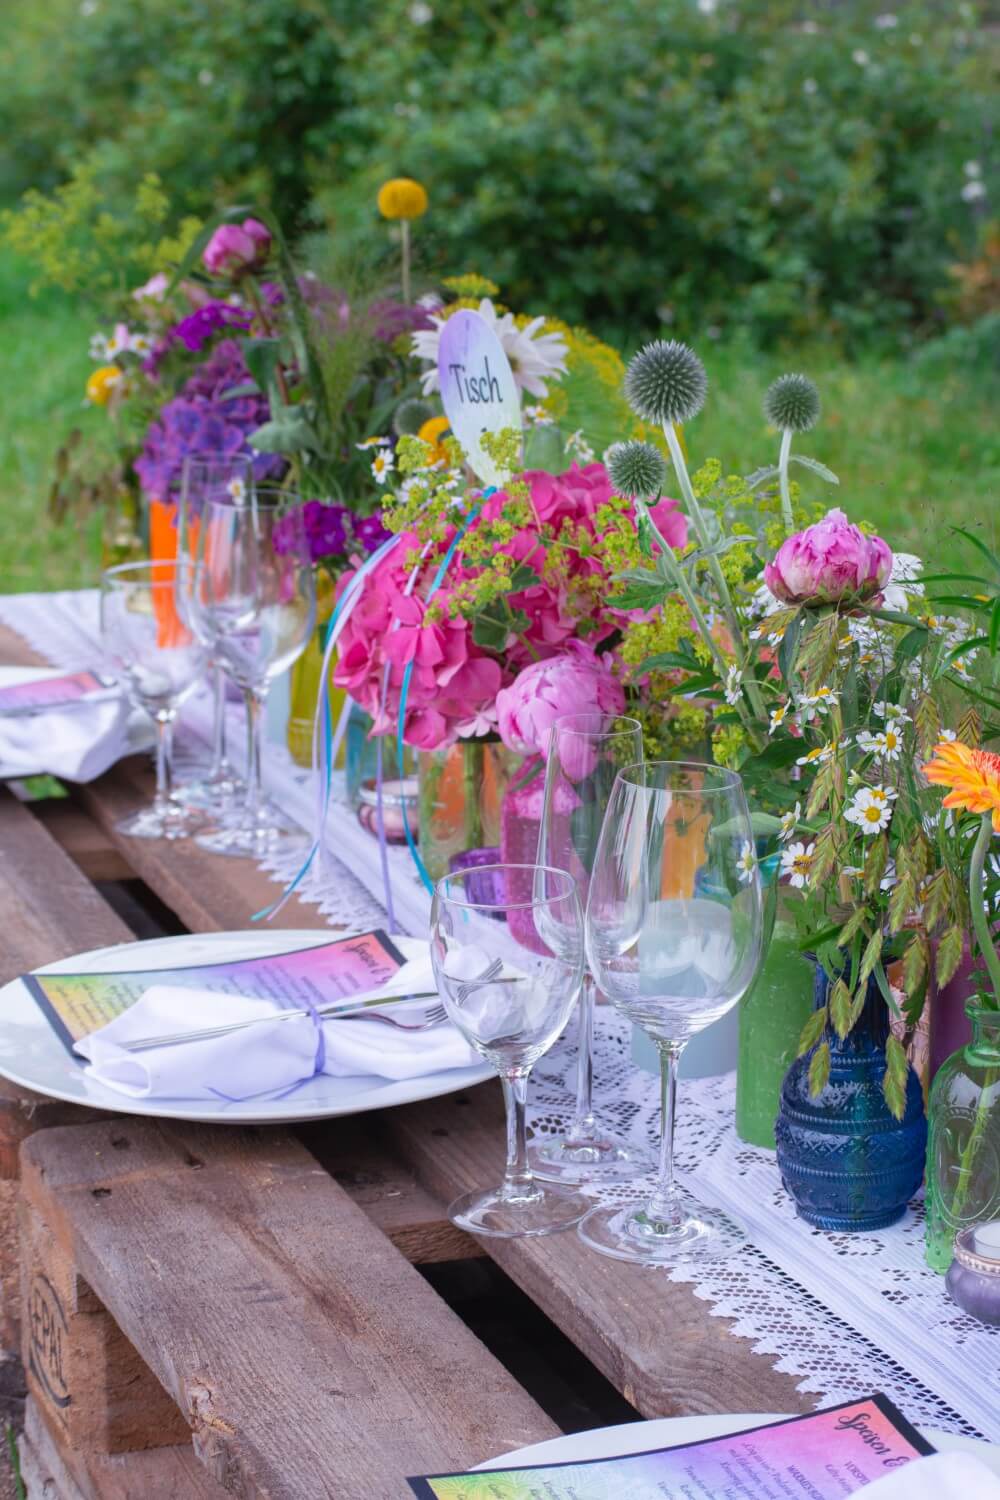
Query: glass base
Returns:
{"type": "Point", "coordinates": [542, 1210]}
{"type": "Point", "coordinates": [270, 831]}
{"type": "Point", "coordinates": [172, 822]}
{"type": "Point", "coordinates": [627, 1233]}
{"type": "Point", "coordinates": [599, 1159]}
{"type": "Point", "coordinates": [219, 792]}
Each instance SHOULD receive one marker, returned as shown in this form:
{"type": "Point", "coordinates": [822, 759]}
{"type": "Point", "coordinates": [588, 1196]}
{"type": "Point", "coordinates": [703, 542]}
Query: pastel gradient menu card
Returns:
{"type": "Point", "coordinates": [49, 692]}
{"type": "Point", "coordinates": [77, 1004]}
{"type": "Point", "coordinates": [823, 1456]}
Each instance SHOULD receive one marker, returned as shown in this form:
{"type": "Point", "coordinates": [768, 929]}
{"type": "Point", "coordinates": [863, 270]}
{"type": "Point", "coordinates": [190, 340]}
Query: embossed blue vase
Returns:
{"type": "Point", "coordinates": [848, 1163]}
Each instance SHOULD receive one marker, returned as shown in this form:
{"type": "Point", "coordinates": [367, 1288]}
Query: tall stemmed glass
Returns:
{"type": "Point", "coordinates": [586, 752]}
{"type": "Point", "coordinates": [510, 1002]}
{"type": "Point", "coordinates": [210, 477]}
{"type": "Point", "coordinates": [256, 594]}
{"type": "Point", "coordinates": [159, 663]}
{"type": "Point", "coordinates": [674, 924]}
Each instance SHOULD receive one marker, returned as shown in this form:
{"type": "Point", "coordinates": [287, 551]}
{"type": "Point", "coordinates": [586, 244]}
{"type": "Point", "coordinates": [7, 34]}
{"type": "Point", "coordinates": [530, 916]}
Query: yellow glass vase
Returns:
{"type": "Point", "coordinates": [305, 683]}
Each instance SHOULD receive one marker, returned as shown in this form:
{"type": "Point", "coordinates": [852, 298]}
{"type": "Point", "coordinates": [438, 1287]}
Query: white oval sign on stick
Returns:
{"type": "Point", "coordinates": [477, 388]}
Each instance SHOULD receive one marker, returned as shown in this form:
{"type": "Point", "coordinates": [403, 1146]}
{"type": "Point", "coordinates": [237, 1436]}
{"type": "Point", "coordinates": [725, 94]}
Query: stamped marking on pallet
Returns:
{"type": "Point", "coordinates": [47, 1321]}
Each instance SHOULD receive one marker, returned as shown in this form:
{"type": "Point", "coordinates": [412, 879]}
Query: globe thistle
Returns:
{"type": "Point", "coordinates": [792, 403]}
{"type": "Point", "coordinates": [411, 415]}
{"type": "Point", "coordinates": [637, 470]}
{"type": "Point", "coordinates": [666, 383]}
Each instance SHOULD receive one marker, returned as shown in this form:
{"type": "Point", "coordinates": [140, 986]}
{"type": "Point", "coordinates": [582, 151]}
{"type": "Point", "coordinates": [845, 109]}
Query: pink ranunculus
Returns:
{"type": "Point", "coordinates": [575, 683]}
{"type": "Point", "coordinates": [235, 248]}
{"type": "Point", "coordinates": [827, 562]}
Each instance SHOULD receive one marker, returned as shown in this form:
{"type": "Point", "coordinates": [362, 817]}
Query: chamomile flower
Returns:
{"type": "Point", "coordinates": [382, 463]}
{"type": "Point", "coordinates": [891, 711]}
{"type": "Point", "coordinates": [237, 491]}
{"type": "Point", "coordinates": [778, 716]}
{"type": "Point", "coordinates": [887, 745]}
{"type": "Point", "coordinates": [99, 347]}
{"type": "Point", "coordinates": [883, 795]}
{"type": "Point", "coordinates": [949, 736]}
{"type": "Point", "coordinates": [373, 442]}
{"type": "Point", "coordinates": [789, 822]}
{"type": "Point", "coordinates": [746, 864]}
{"type": "Point", "coordinates": [817, 756]}
{"type": "Point", "coordinates": [577, 445]}
{"type": "Point", "coordinates": [795, 863]}
{"type": "Point", "coordinates": [734, 680]}
{"type": "Point", "coordinates": [869, 815]}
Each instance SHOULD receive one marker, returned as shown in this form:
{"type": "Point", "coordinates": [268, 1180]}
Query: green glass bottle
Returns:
{"type": "Point", "coordinates": [963, 1143]}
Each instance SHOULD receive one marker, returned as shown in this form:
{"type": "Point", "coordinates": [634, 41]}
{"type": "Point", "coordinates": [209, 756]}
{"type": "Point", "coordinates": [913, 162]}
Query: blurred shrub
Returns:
{"type": "Point", "coordinates": [763, 165]}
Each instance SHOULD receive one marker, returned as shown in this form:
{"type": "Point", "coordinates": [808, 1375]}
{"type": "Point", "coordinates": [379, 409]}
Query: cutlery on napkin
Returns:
{"type": "Point", "coordinates": [941, 1476]}
{"type": "Point", "coordinates": [271, 1055]}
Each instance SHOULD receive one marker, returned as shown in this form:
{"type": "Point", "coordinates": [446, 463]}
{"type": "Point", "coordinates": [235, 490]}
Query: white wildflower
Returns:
{"type": "Point", "coordinates": [789, 822]}
{"type": "Point", "coordinates": [795, 863]}
{"type": "Point", "coordinates": [734, 679]}
{"type": "Point", "coordinates": [746, 864]}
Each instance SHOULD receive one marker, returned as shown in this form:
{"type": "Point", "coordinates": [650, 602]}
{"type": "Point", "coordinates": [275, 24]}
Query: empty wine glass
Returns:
{"type": "Point", "coordinates": [586, 752]}
{"type": "Point", "coordinates": [159, 662]}
{"type": "Point", "coordinates": [256, 594]}
{"type": "Point", "coordinates": [208, 477]}
{"type": "Point", "coordinates": [510, 1002]}
{"type": "Point", "coordinates": [674, 923]}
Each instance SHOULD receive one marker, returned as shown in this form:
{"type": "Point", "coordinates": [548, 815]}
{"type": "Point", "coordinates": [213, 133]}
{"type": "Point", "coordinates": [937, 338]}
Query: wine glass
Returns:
{"type": "Point", "coordinates": [674, 931]}
{"type": "Point", "coordinates": [586, 752]}
{"type": "Point", "coordinates": [510, 1002]}
{"type": "Point", "coordinates": [159, 663]}
{"type": "Point", "coordinates": [207, 477]}
{"type": "Point", "coordinates": [255, 592]}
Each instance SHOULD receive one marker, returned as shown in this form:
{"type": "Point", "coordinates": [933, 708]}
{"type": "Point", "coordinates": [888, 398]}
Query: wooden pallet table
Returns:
{"type": "Point", "coordinates": [223, 1310]}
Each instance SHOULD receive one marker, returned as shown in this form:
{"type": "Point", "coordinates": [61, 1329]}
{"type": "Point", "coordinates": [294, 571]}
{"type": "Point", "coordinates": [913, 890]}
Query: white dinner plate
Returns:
{"type": "Point", "coordinates": [140, 728]}
{"type": "Point", "coordinates": [673, 1432]}
{"type": "Point", "coordinates": [31, 1054]}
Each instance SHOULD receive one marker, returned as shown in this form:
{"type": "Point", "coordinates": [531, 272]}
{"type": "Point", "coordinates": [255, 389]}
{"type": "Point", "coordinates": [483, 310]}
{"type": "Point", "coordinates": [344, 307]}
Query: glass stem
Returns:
{"type": "Point", "coordinates": [218, 723]}
{"type": "Point", "coordinates": [664, 1206]}
{"type": "Point", "coordinates": [583, 1129]}
{"type": "Point", "coordinates": [518, 1183]}
{"type": "Point", "coordinates": [164, 744]}
{"type": "Point", "coordinates": [255, 791]}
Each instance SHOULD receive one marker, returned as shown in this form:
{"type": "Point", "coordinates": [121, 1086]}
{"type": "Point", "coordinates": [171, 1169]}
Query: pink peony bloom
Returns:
{"type": "Point", "coordinates": [670, 522]}
{"type": "Point", "coordinates": [576, 683]}
{"type": "Point", "coordinates": [827, 562]}
{"type": "Point", "coordinates": [235, 248]}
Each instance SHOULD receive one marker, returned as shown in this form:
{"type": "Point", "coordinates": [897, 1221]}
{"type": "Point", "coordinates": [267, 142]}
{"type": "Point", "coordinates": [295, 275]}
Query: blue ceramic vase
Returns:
{"type": "Point", "coordinates": [848, 1163]}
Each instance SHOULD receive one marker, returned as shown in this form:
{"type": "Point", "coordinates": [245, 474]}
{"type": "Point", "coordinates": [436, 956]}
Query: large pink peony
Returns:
{"type": "Point", "coordinates": [574, 683]}
{"type": "Point", "coordinates": [827, 562]}
{"type": "Point", "coordinates": [235, 248]}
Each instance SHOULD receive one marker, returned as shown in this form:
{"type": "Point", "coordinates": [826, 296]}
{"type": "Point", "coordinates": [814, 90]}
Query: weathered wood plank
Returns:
{"type": "Point", "coordinates": [308, 1356]}
{"type": "Point", "coordinates": [52, 1473]}
{"type": "Point", "coordinates": [87, 845]}
{"type": "Point", "coordinates": [652, 1338]}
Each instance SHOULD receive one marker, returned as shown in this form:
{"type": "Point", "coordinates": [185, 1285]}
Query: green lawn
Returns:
{"type": "Point", "coordinates": [917, 454]}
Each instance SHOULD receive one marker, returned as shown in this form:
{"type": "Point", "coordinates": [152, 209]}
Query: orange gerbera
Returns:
{"type": "Point", "coordinates": [973, 775]}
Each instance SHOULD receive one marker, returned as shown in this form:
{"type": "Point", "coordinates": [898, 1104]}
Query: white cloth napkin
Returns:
{"type": "Point", "coordinates": [76, 743]}
{"type": "Point", "coordinates": [267, 1058]}
{"type": "Point", "coordinates": [941, 1476]}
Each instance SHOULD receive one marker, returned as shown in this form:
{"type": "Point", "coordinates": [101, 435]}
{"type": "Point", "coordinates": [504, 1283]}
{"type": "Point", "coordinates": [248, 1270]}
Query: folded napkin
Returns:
{"type": "Point", "coordinates": [75, 743]}
{"type": "Point", "coordinates": [942, 1476]}
{"type": "Point", "coordinates": [268, 1058]}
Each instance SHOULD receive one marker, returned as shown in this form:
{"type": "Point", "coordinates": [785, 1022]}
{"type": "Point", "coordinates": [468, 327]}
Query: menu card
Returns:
{"type": "Point", "coordinates": [49, 692]}
{"type": "Point", "coordinates": [823, 1456]}
{"type": "Point", "coordinates": [77, 1004]}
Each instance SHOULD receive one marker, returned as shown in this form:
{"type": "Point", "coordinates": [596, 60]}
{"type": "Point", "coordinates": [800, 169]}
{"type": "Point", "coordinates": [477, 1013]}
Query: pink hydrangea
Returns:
{"type": "Point", "coordinates": [235, 248]}
{"type": "Point", "coordinates": [829, 561]}
{"type": "Point", "coordinates": [574, 683]}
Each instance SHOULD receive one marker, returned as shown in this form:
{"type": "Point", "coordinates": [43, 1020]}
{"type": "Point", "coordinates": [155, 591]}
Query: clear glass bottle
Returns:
{"type": "Point", "coordinates": [963, 1148]}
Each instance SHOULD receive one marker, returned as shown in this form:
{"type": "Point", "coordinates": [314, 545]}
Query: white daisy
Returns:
{"type": "Point", "coordinates": [795, 863]}
{"type": "Point", "coordinates": [821, 700]}
{"type": "Point", "coordinates": [887, 745]}
{"type": "Point", "coordinates": [746, 863]}
{"type": "Point", "coordinates": [778, 716]}
{"type": "Point", "coordinates": [949, 735]}
{"type": "Point", "coordinates": [99, 347]}
{"type": "Point", "coordinates": [818, 756]}
{"type": "Point", "coordinates": [537, 416]}
{"type": "Point", "coordinates": [870, 816]}
{"type": "Point", "coordinates": [903, 585]}
{"type": "Point", "coordinates": [534, 356]}
{"type": "Point", "coordinates": [734, 679]}
{"type": "Point", "coordinates": [577, 444]}
{"type": "Point", "coordinates": [382, 463]}
{"type": "Point", "coordinates": [883, 795]}
{"type": "Point", "coordinates": [373, 442]}
{"type": "Point", "coordinates": [237, 491]}
{"type": "Point", "coordinates": [789, 822]}
{"type": "Point", "coordinates": [891, 711]}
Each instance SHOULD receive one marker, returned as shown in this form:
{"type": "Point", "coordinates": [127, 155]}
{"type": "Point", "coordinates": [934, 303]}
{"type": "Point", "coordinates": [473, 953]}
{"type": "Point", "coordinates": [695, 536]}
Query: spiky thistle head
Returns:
{"type": "Point", "coordinates": [637, 470]}
{"type": "Point", "coordinates": [666, 382]}
{"type": "Point", "coordinates": [411, 415]}
{"type": "Point", "coordinates": [792, 403]}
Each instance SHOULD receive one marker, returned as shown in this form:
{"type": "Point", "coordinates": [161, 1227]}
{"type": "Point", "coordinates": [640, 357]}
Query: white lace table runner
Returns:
{"type": "Point", "coordinates": [842, 1314]}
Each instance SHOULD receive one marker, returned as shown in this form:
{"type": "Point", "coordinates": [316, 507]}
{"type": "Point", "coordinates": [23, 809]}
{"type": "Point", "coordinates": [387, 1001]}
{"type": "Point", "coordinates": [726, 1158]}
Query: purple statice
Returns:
{"type": "Point", "coordinates": [203, 418]}
{"type": "Point", "coordinates": [389, 319]}
{"type": "Point", "coordinates": [369, 532]}
{"type": "Point", "coordinates": [204, 323]}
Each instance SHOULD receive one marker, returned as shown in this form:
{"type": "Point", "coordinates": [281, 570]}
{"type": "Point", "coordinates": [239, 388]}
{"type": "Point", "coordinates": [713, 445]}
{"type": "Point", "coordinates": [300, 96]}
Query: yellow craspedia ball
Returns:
{"type": "Point", "coordinates": [402, 198]}
{"type": "Point", "coordinates": [101, 383]}
{"type": "Point", "coordinates": [431, 433]}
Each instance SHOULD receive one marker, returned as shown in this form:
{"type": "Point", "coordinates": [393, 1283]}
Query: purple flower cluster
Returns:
{"type": "Point", "coordinates": [390, 319]}
{"type": "Point", "coordinates": [203, 418]}
{"type": "Point", "coordinates": [332, 531]}
{"type": "Point", "coordinates": [198, 327]}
